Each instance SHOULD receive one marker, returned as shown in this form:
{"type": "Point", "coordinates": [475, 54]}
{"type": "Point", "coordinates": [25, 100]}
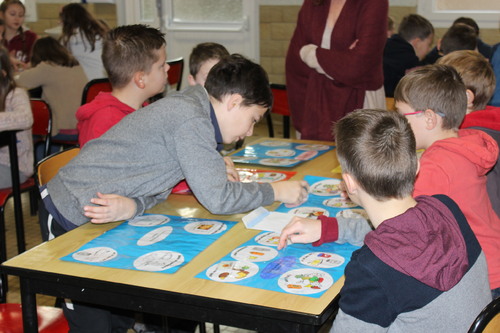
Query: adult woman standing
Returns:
{"type": "Point", "coordinates": [82, 35]}
{"type": "Point", "coordinates": [334, 62]}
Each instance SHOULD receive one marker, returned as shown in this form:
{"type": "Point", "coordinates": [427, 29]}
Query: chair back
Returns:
{"type": "Point", "coordinates": [175, 72]}
{"type": "Point", "coordinates": [488, 321]}
{"type": "Point", "coordinates": [49, 166]}
{"type": "Point", "coordinates": [93, 87]}
{"type": "Point", "coordinates": [280, 96]}
{"type": "Point", "coordinates": [42, 123]}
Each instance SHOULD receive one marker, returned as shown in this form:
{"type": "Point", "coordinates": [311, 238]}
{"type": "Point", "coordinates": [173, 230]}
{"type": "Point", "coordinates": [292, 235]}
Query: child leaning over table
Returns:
{"type": "Point", "coordinates": [455, 162]}
{"type": "Point", "coordinates": [422, 261]}
{"type": "Point", "coordinates": [134, 58]}
{"type": "Point", "coordinates": [141, 158]}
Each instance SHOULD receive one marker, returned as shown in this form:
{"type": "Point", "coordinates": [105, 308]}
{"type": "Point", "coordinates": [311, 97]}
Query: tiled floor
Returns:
{"type": "Point", "coordinates": [32, 233]}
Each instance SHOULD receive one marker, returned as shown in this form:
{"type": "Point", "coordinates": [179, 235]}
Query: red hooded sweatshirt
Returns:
{"type": "Point", "coordinates": [457, 167]}
{"type": "Point", "coordinates": [98, 116]}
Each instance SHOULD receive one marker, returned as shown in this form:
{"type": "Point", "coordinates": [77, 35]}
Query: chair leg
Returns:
{"type": "Point", "coordinates": [216, 328]}
{"type": "Point", "coordinates": [269, 120]}
{"type": "Point", "coordinates": [34, 194]}
{"type": "Point", "coordinates": [286, 127]}
{"type": "Point", "coordinates": [3, 257]}
{"type": "Point", "coordinates": [203, 328]}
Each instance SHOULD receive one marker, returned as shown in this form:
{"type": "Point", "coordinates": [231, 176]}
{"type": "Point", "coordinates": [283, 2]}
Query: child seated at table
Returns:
{"type": "Point", "coordinates": [422, 261]}
{"type": "Point", "coordinates": [479, 79]}
{"type": "Point", "coordinates": [134, 57]}
{"type": "Point", "coordinates": [203, 57]}
{"type": "Point", "coordinates": [455, 162]}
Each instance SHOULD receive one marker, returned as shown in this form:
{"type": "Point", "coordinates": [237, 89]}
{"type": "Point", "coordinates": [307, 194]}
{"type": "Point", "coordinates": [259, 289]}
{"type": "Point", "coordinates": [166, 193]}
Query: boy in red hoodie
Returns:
{"type": "Point", "coordinates": [134, 57]}
{"type": "Point", "coordinates": [479, 79]}
{"type": "Point", "coordinates": [455, 163]}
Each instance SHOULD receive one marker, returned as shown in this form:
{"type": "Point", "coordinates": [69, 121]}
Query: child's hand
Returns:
{"type": "Point", "coordinates": [232, 174]}
{"type": "Point", "coordinates": [111, 207]}
{"type": "Point", "coordinates": [291, 192]}
{"type": "Point", "coordinates": [300, 230]}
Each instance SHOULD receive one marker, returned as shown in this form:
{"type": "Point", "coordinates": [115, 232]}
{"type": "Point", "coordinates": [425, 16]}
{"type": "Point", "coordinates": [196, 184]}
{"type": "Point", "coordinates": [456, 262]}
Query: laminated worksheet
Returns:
{"type": "Point", "coordinates": [300, 269]}
{"type": "Point", "coordinates": [279, 153]}
{"type": "Point", "coordinates": [151, 242]}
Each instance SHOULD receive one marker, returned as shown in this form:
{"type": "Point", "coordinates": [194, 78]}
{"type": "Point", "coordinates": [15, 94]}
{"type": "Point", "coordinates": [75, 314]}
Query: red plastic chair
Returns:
{"type": "Point", "coordinates": [50, 319]}
{"type": "Point", "coordinates": [175, 72]}
{"type": "Point", "coordinates": [94, 87]}
{"type": "Point", "coordinates": [280, 106]}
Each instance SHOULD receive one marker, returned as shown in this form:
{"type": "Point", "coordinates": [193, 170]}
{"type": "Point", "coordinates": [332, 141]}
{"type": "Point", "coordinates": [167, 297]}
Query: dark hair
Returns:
{"type": "Point", "coordinates": [436, 87]}
{"type": "Point", "coordinates": [378, 149]}
{"type": "Point", "coordinates": [74, 16]}
{"type": "Point", "coordinates": [467, 21]}
{"type": "Point", "coordinates": [238, 75]}
{"type": "Point", "coordinates": [415, 26]}
{"type": "Point", "coordinates": [459, 37]}
{"type": "Point", "coordinates": [476, 72]}
{"type": "Point", "coordinates": [129, 49]}
{"type": "Point", "coordinates": [204, 52]}
{"type": "Point", "coordinates": [7, 82]}
{"type": "Point", "coordinates": [50, 50]}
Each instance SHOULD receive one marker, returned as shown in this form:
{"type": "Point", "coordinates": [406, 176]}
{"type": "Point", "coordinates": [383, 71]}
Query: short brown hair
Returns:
{"type": "Point", "coordinates": [476, 72]}
{"type": "Point", "coordinates": [458, 37]}
{"type": "Point", "coordinates": [377, 148]}
{"type": "Point", "coordinates": [415, 26]}
{"type": "Point", "coordinates": [130, 49]}
{"type": "Point", "coordinates": [204, 52]}
{"type": "Point", "coordinates": [436, 87]}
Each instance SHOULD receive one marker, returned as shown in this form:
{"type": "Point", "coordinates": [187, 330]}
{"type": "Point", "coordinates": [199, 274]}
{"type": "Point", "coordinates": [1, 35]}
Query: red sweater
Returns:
{"type": "Point", "coordinates": [21, 46]}
{"type": "Point", "coordinates": [315, 100]}
{"type": "Point", "coordinates": [98, 116]}
{"type": "Point", "coordinates": [487, 118]}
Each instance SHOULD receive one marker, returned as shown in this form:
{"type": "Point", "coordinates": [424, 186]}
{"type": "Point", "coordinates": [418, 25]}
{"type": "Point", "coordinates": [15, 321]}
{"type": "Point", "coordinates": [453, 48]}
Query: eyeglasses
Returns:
{"type": "Point", "coordinates": [417, 112]}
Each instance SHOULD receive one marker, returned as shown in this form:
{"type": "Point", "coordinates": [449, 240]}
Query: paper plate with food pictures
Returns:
{"type": "Point", "coordinates": [95, 254]}
{"type": "Point", "coordinates": [327, 187]}
{"type": "Point", "coordinates": [322, 259]}
{"type": "Point", "coordinates": [254, 253]}
{"type": "Point", "coordinates": [279, 161]}
{"type": "Point", "coordinates": [272, 143]}
{"type": "Point", "coordinates": [280, 152]}
{"type": "Point", "coordinates": [269, 238]}
{"type": "Point", "coordinates": [232, 271]}
{"type": "Point", "coordinates": [339, 203]}
{"type": "Point", "coordinates": [305, 281]}
{"type": "Point", "coordinates": [157, 261]}
{"type": "Point", "coordinates": [149, 220]}
{"type": "Point", "coordinates": [205, 227]}
{"type": "Point", "coordinates": [353, 214]}
{"type": "Point", "coordinates": [155, 236]}
{"type": "Point", "coordinates": [313, 147]}
{"type": "Point", "coordinates": [243, 159]}
{"type": "Point", "coordinates": [310, 212]}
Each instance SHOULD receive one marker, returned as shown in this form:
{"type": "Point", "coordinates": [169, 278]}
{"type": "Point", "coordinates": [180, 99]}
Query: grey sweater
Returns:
{"type": "Point", "coordinates": [150, 151]}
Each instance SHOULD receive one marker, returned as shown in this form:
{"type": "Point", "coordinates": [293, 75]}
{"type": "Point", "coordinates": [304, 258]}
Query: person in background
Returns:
{"type": "Point", "coordinates": [19, 41]}
{"type": "Point", "coordinates": [483, 48]}
{"type": "Point", "coordinates": [135, 60]}
{"type": "Point", "coordinates": [404, 51]}
{"type": "Point", "coordinates": [495, 63]}
{"type": "Point", "coordinates": [15, 114]}
{"type": "Point", "coordinates": [334, 63]}
{"type": "Point", "coordinates": [422, 262]}
{"type": "Point", "coordinates": [62, 80]}
{"type": "Point", "coordinates": [201, 60]}
{"type": "Point", "coordinates": [391, 28]}
{"type": "Point", "coordinates": [83, 35]}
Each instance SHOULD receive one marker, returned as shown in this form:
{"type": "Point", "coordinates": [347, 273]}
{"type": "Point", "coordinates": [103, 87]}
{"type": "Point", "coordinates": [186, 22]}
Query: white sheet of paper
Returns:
{"type": "Point", "coordinates": [262, 219]}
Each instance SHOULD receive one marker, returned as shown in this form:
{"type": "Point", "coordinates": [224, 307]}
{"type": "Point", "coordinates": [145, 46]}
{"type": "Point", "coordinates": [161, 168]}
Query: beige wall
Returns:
{"type": "Point", "coordinates": [48, 15]}
{"type": "Point", "coordinates": [277, 24]}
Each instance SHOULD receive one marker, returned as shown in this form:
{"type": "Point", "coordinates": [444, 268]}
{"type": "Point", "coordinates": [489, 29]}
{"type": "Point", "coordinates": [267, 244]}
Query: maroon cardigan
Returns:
{"type": "Point", "coordinates": [317, 101]}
